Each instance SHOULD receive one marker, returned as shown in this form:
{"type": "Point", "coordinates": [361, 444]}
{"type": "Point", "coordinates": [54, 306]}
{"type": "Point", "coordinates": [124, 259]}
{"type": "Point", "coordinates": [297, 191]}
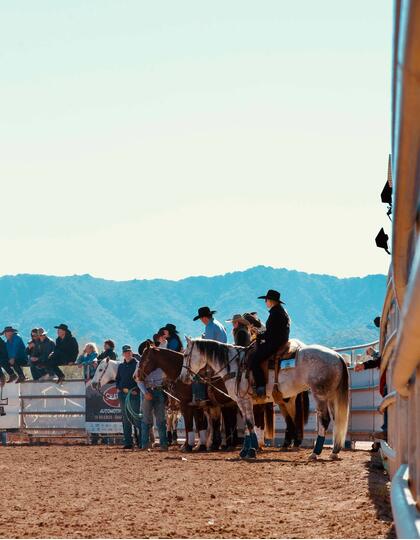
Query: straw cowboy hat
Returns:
{"type": "Point", "coordinates": [42, 332]}
{"type": "Point", "coordinates": [238, 318]}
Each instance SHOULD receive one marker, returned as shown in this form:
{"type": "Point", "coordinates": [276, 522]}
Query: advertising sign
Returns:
{"type": "Point", "coordinates": [103, 412]}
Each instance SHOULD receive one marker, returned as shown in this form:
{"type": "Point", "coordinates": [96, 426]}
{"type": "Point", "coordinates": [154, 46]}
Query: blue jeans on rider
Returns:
{"type": "Point", "coordinates": [128, 422]}
{"type": "Point", "coordinates": [154, 406]}
{"type": "Point", "coordinates": [199, 391]}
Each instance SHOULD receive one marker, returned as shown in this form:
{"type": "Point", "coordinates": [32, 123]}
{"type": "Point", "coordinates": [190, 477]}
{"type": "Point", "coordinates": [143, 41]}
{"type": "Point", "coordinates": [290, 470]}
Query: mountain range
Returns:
{"type": "Point", "coordinates": [324, 309]}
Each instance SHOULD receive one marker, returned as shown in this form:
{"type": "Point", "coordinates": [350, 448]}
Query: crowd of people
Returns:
{"type": "Point", "coordinates": [45, 357]}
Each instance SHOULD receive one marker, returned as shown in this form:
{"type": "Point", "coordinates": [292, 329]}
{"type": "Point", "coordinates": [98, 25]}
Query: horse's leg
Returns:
{"type": "Point", "coordinates": [250, 447]}
{"type": "Point", "coordinates": [259, 424]}
{"type": "Point", "coordinates": [215, 415]}
{"type": "Point", "coordinates": [323, 421]}
{"type": "Point", "coordinates": [229, 420]}
{"type": "Point", "coordinates": [187, 413]}
{"type": "Point", "coordinates": [201, 425]}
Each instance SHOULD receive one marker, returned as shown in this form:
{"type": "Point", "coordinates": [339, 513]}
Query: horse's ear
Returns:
{"type": "Point", "coordinates": [147, 345]}
{"type": "Point", "coordinates": [188, 339]}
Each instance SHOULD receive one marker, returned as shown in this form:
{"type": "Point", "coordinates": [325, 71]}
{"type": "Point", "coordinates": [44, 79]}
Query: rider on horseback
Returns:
{"type": "Point", "coordinates": [276, 335]}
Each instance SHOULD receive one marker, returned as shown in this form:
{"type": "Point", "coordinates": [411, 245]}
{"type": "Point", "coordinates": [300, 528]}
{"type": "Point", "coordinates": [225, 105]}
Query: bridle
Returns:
{"type": "Point", "coordinates": [207, 380]}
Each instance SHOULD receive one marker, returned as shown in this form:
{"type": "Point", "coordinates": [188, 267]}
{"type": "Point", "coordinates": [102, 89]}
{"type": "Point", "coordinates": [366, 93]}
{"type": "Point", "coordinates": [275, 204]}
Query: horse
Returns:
{"type": "Point", "coordinates": [171, 363]}
{"type": "Point", "coordinates": [105, 373]}
{"type": "Point", "coordinates": [317, 368]}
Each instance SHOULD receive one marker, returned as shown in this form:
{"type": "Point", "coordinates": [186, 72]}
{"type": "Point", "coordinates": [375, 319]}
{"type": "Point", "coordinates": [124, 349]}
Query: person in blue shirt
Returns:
{"type": "Point", "coordinates": [213, 330]}
{"type": "Point", "coordinates": [16, 354]}
{"type": "Point", "coordinates": [88, 360]}
{"type": "Point", "coordinates": [172, 337]}
{"type": "Point", "coordinates": [124, 382]}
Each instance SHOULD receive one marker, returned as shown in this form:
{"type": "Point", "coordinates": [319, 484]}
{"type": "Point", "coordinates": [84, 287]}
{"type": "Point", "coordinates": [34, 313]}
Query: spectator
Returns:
{"type": "Point", "coordinates": [240, 330]}
{"type": "Point", "coordinates": [124, 383]}
{"type": "Point", "coordinates": [16, 354]}
{"type": "Point", "coordinates": [46, 347]}
{"type": "Point", "coordinates": [174, 341]}
{"type": "Point", "coordinates": [160, 339]}
{"type": "Point", "coordinates": [4, 362]}
{"type": "Point", "coordinates": [33, 353]}
{"type": "Point", "coordinates": [88, 360]}
{"type": "Point", "coordinates": [108, 352]}
{"type": "Point", "coordinates": [65, 352]}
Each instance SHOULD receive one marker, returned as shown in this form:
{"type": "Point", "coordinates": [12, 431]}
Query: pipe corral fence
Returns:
{"type": "Point", "coordinates": [45, 410]}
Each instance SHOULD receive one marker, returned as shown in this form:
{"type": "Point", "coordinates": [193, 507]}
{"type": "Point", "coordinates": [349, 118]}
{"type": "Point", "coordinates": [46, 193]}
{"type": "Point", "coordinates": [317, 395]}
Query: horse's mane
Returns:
{"type": "Point", "coordinates": [215, 350]}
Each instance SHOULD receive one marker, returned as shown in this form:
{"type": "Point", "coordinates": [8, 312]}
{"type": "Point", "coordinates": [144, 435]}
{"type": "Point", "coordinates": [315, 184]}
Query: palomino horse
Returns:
{"type": "Point", "coordinates": [319, 369]}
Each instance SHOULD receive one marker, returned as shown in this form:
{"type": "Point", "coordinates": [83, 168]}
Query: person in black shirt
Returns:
{"type": "Point", "coordinates": [66, 351]}
{"type": "Point", "coordinates": [276, 334]}
{"type": "Point", "coordinates": [240, 330]}
{"type": "Point", "coordinates": [108, 351]}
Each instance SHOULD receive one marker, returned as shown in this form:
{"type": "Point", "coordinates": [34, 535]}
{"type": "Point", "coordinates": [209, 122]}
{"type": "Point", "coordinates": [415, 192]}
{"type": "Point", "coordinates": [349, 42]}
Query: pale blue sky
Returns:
{"type": "Point", "coordinates": [165, 139]}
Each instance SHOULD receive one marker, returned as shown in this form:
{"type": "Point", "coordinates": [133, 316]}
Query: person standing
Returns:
{"type": "Point", "coordinates": [240, 330]}
{"type": "Point", "coordinates": [124, 383]}
{"type": "Point", "coordinates": [65, 352]}
{"type": "Point", "coordinates": [276, 335]}
{"type": "Point", "coordinates": [172, 336]}
{"type": "Point", "coordinates": [16, 354]}
{"type": "Point", "coordinates": [154, 403]}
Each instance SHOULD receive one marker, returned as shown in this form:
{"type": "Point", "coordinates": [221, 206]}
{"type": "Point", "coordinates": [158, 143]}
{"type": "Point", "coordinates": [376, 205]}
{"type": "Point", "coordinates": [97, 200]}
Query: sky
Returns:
{"type": "Point", "coordinates": [166, 139]}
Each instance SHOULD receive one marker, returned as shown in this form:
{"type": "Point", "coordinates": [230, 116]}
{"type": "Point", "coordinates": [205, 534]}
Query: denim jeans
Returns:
{"type": "Point", "coordinates": [157, 406]}
{"type": "Point", "coordinates": [126, 421]}
{"type": "Point", "coordinates": [37, 372]}
{"type": "Point", "coordinates": [199, 391]}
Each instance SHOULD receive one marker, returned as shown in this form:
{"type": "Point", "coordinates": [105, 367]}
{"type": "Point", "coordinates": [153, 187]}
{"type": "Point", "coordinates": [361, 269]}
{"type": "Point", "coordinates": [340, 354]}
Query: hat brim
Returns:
{"type": "Point", "coordinates": [205, 315]}
{"type": "Point", "coordinates": [266, 297]}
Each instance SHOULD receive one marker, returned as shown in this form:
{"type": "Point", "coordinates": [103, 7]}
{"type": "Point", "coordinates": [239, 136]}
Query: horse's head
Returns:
{"type": "Point", "coordinates": [105, 373]}
{"type": "Point", "coordinates": [170, 362]}
{"type": "Point", "coordinates": [193, 360]}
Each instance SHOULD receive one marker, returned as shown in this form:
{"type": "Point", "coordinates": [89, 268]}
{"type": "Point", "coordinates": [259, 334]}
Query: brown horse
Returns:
{"type": "Point", "coordinates": [171, 363]}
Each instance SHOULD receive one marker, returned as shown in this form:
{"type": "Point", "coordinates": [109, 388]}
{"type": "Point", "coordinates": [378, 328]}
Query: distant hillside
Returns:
{"type": "Point", "coordinates": [324, 309]}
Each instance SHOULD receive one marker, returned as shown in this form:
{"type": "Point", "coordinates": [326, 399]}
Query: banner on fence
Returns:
{"type": "Point", "coordinates": [103, 412]}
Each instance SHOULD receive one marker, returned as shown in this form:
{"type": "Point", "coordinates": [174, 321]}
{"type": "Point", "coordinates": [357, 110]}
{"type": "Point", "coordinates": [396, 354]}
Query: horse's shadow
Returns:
{"type": "Point", "coordinates": [256, 461]}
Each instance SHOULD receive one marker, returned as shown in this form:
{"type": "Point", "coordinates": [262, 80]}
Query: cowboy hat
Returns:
{"type": "Point", "coordinates": [171, 328]}
{"type": "Point", "coordinates": [271, 295]}
{"type": "Point", "coordinates": [62, 327]}
{"type": "Point", "coordinates": [126, 348]}
{"type": "Point", "coordinates": [204, 312]}
{"type": "Point", "coordinates": [238, 318]}
{"type": "Point", "coordinates": [9, 329]}
{"type": "Point", "coordinates": [42, 332]}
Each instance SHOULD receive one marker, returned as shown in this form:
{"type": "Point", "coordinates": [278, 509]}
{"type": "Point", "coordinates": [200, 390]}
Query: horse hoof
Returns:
{"type": "Point", "coordinates": [334, 457]}
{"type": "Point", "coordinates": [186, 448]}
{"type": "Point", "coordinates": [313, 457]}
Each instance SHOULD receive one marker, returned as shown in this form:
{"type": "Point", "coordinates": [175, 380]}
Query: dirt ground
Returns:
{"type": "Point", "coordinates": [100, 492]}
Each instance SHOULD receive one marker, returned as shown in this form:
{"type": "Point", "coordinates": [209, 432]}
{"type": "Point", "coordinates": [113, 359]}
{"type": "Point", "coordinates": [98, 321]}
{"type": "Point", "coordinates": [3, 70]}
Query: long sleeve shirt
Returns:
{"type": "Point", "coordinates": [155, 378]}
{"type": "Point", "coordinates": [16, 348]}
{"type": "Point", "coordinates": [216, 331]}
{"type": "Point", "coordinates": [85, 359]}
{"type": "Point", "coordinates": [125, 375]}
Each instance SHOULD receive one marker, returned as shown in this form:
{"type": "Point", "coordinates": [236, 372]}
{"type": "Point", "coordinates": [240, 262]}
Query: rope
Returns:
{"type": "Point", "coordinates": [132, 415]}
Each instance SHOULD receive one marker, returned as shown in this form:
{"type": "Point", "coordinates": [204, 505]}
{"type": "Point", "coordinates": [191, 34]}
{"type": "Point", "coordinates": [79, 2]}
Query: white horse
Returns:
{"type": "Point", "coordinates": [319, 369]}
{"type": "Point", "coordinates": [105, 373]}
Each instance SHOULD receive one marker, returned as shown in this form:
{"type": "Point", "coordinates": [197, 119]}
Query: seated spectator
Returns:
{"type": "Point", "coordinates": [108, 352]}
{"type": "Point", "coordinates": [172, 337]}
{"type": "Point", "coordinates": [33, 353]}
{"type": "Point", "coordinates": [16, 355]}
{"type": "Point", "coordinates": [88, 360]}
{"type": "Point", "coordinates": [46, 347]}
{"type": "Point", "coordinates": [65, 352]}
{"type": "Point", "coordinates": [4, 361]}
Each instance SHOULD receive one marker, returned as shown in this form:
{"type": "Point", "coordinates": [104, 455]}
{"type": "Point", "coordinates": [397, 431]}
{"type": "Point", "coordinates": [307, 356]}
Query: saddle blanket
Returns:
{"type": "Point", "coordinates": [287, 364]}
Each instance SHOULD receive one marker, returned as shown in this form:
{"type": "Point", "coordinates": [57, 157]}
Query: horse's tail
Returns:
{"type": "Point", "coordinates": [269, 421]}
{"type": "Point", "coordinates": [340, 409]}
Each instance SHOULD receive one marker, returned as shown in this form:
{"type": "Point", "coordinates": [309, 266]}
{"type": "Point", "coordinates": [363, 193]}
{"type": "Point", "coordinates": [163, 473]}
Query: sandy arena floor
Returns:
{"type": "Point", "coordinates": [77, 491]}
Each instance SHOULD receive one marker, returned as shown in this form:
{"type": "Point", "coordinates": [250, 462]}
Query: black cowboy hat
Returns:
{"type": "Point", "coordinates": [171, 328]}
{"type": "Point", "coordinates": [8, 329]}
{"type": "Point", "coordinates": [62, 327]}
{"type": "Point", "coordinates": [271, 295]}
{"type": "Point", "coordinates": [204, 312]}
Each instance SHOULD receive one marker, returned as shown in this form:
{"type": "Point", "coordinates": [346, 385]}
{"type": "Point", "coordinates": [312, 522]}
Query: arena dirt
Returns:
{"type": "Point", "coordinates": [88, 491]}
